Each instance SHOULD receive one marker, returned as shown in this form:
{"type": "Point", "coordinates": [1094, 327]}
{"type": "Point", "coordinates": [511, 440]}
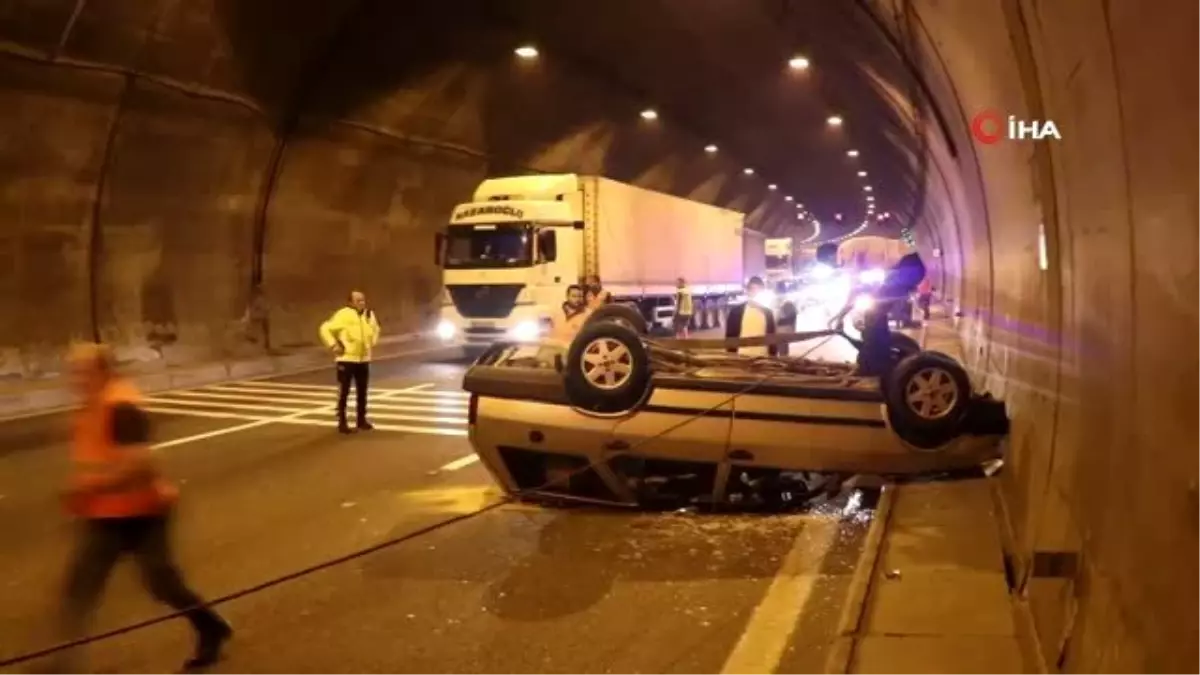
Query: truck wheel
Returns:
{"type": "Point", "coordinates": [718, 313]}
{"type": "Point", "coordinates": [927, 396]}
{"type": "Point", "coordinates": [623, 315]}
{"type": "Point", "coordinates": [607, 369]}
{"type": "Point", "coordinates": [702, 315]}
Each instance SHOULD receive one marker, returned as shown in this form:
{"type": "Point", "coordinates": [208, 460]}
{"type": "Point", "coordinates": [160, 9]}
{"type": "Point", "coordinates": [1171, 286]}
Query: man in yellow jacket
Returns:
{"type": "Point", "coordinates": [351, 334]}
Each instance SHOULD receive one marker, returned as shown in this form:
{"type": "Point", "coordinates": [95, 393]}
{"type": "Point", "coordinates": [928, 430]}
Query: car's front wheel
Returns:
{"type": "Point", "coordinates": [927, 395]}
{"type": "Point", "coordinates": [607, 369]}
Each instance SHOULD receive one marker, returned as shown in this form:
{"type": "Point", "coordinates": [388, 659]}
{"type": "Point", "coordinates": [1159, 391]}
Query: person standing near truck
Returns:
{"type": "Point", "coordinates": [684, 309]}
{"type": "Point", "coordinates": [751, 319]}
{"type": "Point", "coordinates": [351, 334]}
{"type": "Point", "coordinates": [571, 316]}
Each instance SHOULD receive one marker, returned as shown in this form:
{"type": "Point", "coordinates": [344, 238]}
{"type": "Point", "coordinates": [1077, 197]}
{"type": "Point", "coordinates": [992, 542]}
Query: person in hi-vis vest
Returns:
{"type": "Point", "coordinates": [124, 506]}
{"type": "Point", "coordinates": [351, 334]}
{"type": "Point", "coordinates": [685, 308]}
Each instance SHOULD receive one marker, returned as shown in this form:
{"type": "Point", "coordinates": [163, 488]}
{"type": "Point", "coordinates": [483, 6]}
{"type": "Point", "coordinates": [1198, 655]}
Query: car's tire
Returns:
{"type": "Point", "coordinates": [607, 369]}
{"type": "Point", "coordinates": [927, 396]}
{"type": "Point", "coordinates": [622, 315]}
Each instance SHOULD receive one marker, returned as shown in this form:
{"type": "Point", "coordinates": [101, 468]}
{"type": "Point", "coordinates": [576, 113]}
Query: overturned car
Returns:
{"type": "Point", "coordinates": [617, 417]}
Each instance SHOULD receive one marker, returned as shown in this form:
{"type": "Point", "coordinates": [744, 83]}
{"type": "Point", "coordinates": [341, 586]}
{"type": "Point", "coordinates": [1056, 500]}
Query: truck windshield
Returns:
{"type": "Point", "coordinates": [474, 246]}
{"type": "Point", "coordinates": [777, 262]}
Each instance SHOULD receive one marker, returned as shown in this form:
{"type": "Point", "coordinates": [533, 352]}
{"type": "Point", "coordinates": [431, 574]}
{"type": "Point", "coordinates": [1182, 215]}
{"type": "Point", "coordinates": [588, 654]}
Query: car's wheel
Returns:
{"type": "Point", "coordinates": [607, 369]}
{"type": "Point", "coordinates": [622, 315]}
{"type": "Point", "coordinates": [718, 313]}
{"type": "Point", "coordinates": [927, 395]}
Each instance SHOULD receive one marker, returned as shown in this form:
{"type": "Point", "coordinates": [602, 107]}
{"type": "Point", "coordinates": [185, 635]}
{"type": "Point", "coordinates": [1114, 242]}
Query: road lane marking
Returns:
{"type": "Point", "coordinates": [243, 427]}
{"type": "Point", "coordinates": [218, 404]}
{"type": "Point", "coordinates": [765, 640]}
{"type": "Point", "coordinates": [460, 463]}
{"type": "Point", "coordinates": [165, 410]}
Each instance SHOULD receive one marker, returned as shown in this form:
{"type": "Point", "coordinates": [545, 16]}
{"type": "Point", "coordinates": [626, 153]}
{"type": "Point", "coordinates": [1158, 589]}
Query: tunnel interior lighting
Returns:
{"type": "Point", "coordinates": [862, 174]}
{"type": "Point", "coordinates": [867, 188]}
{"type": "Point", "coordinates": [834, 121]}
{"type": "Point", "coordinates": [788, 198]}
{"type": "Point", "coordinates": [837, 216]}
{"type": "Point", "coordinates": [772, 186]}
{"type": "Point", "coordinates": [526, 51]}
{"type": "Point", "coordinates": [798, 63]}
{"type": "Point", "coordinates": [870, 198]}
{"type": "Point", "coordinates": [748, 171]}
{"type": "Point", "coordinates": [649, 114]}
{"type": "Point", "coordinates": [710, 148]}
{"type": "Point", "coordinates": [852, 153]}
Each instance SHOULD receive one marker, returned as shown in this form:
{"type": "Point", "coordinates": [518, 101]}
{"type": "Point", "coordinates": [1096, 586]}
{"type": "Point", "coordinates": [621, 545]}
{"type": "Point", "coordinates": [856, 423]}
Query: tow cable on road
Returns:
{"type": "Point", "coordinates": [387, 543]}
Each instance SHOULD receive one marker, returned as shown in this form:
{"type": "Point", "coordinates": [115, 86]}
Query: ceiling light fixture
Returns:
{"type": "Point", "coordinates": [649, 114]}
{"type": "Point", "coordinates": [788, 198]}
{"type": "Point", "coordinates": [710, 148]}
{"type": "Point", "coordinates": [526, 52]}
{"type": "Point", "coordinates": [867, 188]}
{"type": "Point", "coordinates": [852, 153]}
{"type": "Point", "coordinates": [834, 121]}
{"type": "Point", "coordinates": [772, 186]}
{"type": "Point", "coordinates": [862, 174]}
{"type": "Point", "coordinates": [748, 171]}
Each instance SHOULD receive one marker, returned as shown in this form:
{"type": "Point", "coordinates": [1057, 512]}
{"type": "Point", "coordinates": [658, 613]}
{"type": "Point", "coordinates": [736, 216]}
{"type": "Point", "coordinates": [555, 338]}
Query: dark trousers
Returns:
{"type": "Point", "coordinates": [924, 300]}
{"type": "Point", "coordinates": [102, 543]}
{"type": "Point", "coordinates": [360, 374]}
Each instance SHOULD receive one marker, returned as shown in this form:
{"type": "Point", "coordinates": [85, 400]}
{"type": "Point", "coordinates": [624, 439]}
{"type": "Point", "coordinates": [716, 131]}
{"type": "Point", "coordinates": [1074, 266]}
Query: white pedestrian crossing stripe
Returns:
{"type": "Point", "coordinates": [416, 410]}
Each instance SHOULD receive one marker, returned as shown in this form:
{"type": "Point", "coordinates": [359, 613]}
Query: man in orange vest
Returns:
{"type": "Point", "coordinates": [116, 490]}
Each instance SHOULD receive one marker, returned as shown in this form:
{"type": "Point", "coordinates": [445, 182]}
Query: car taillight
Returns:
{"type": "Point", "coordinates": [473, 410]}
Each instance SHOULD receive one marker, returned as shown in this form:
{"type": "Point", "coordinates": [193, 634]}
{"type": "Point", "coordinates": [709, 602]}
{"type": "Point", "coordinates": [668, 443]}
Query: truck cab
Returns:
{"type": "Point", "coordinates": [507, 257]}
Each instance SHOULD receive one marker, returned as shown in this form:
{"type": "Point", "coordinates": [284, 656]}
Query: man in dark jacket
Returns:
{"type": "Point", "coordinates": [751, 319]}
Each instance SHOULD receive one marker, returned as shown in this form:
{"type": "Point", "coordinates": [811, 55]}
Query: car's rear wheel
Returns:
{"type": "Point", "coordinates": [927, 395]}
{"type": "Point", "coordinates": [607, 369]}
{"type": "Point", "coordinates": [622, 315]}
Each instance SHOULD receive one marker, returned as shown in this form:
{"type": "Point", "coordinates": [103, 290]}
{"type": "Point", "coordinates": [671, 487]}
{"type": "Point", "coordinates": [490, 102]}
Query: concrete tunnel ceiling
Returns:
{"type": "Point", "coordinates": [717, 74]}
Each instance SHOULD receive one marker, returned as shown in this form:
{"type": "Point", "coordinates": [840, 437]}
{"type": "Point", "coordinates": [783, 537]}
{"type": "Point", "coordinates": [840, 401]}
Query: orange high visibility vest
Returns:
{"type": "Point", "coordinates": [93, 450]}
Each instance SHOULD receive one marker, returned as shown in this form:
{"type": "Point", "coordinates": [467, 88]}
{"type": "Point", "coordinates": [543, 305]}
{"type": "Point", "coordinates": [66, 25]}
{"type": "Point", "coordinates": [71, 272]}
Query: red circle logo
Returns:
{"type": "Point", "coordinates": [987, 127]}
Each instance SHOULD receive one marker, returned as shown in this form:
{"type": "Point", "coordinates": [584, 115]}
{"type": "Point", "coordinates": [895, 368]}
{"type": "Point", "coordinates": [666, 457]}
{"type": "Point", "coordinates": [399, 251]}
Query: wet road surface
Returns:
{"type": "Point", "coordinates": [269, 488]}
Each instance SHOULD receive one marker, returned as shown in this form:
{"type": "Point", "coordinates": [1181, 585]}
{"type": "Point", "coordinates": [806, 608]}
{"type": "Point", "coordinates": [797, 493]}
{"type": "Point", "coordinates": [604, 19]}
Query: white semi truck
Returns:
{"type": "Point", "coordinates": [509, 254]}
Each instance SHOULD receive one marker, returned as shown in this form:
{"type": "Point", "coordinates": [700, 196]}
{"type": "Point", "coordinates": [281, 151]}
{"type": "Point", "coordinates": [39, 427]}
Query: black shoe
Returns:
{"type": "Point", "coordinates": [365, 425]}
{"type": "Point", "coordinates": [343, 428]}
{"type": "Point", "coordinates": [208, 646]}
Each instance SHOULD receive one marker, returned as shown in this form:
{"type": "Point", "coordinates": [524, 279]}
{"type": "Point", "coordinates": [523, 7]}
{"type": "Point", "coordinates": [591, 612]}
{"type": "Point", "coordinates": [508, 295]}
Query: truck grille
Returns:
{"type": "Point", "coordinates": [485, 301]}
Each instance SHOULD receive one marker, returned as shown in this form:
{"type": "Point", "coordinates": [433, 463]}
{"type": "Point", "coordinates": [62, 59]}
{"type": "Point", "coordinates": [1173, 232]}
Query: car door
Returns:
{"type": "Point", "coordinates": [809, 429]}
{"type": "Point", "coordinates": [678, 424]}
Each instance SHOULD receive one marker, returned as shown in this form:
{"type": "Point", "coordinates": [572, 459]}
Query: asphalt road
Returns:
{"type": "Point", "coordinates": [269, 488]}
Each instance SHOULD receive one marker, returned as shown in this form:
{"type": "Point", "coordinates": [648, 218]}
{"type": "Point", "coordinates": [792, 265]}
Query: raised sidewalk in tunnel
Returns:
{"type": "Point", "coordinates": [937, 599]}
{"type": "Point", "coordinates": [22, 397]}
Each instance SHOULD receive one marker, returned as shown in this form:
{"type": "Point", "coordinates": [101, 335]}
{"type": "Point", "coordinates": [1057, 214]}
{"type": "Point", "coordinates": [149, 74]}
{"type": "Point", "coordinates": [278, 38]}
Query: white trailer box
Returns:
{"type": "Point", "coordinates": [754, 255]}
{"type": "Point", "coordinates": [510, 254]}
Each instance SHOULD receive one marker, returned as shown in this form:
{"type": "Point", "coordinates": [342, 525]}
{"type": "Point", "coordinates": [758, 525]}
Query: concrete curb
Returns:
{"type": "Point", "coordinates": [48, 400]}
{"type": "Point", "coordinates": [841, 652]}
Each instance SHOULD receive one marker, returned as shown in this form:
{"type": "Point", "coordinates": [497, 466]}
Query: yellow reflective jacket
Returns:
{"type": "Point", "coordinates": [357, 333]}
{"type": "Point", "coordinates": [683, 303]}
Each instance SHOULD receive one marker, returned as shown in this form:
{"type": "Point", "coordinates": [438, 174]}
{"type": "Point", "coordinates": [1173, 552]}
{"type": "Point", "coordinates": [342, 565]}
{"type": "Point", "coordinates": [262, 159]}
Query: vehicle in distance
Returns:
{"type": "Point", "coordinates": [509, 255]}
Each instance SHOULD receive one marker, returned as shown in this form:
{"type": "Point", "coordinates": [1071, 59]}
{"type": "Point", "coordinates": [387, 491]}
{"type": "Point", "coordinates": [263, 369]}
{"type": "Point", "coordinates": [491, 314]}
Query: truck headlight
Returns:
{"type": "Point", "coordinates": [765, 298]}
{"type": "Point", "coordinates": [446, 330]}
{"type": "Point", "coordinates": [863, 303]}
{"type": "Point", "coordinates": [525, 331]}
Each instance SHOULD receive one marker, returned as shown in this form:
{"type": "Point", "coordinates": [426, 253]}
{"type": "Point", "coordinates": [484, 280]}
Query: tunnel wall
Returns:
{"type": "Point", "coordinates": [158, 186]}
{"type": "Point", "coordinates": [1096, 355]}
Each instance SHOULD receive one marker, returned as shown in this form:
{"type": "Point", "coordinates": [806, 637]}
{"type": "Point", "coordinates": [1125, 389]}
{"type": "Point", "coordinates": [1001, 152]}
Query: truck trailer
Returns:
{"type": "Point", "coordinates": [509, 254]}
